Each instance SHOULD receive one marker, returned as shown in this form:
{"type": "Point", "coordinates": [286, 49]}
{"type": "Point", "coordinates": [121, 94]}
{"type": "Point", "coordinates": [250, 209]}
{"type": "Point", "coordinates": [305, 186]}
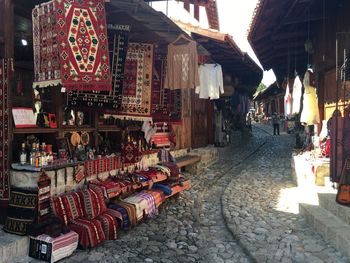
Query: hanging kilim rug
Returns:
{"type": "Point", "coordinates": [137, 84]}
{"type": "Point", "coordinates": [103, 100]}
{"type": "Point", "coordinates": [6, 71]}
{"type": "Point", "coordinates": [70, 45]}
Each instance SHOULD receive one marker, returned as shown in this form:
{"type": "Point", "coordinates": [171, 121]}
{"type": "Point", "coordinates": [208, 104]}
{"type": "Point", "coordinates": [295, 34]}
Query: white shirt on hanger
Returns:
{"type": "Point", "coordinates": [211, 81]}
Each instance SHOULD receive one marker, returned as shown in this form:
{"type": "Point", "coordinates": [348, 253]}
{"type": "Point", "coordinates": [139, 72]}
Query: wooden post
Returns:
{"type": "Point", "coordinates": [187, 5]}
{"type": "Point", "coordinates": [9, 30]}
{"type": "Point", "coordinates": [196, 12]}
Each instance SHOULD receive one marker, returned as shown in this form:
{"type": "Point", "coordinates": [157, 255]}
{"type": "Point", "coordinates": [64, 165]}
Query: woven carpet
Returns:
{"type": "Point", "coordinates": [137, 84]}
{"type": "Point", "coordinates": [107, 101]}
{"type": "Point", "coordinates": [166, 103]}
{"type": "Point", "coordinates": [70, 45]}
{"type": "Point", "coordinates": [6, 72]}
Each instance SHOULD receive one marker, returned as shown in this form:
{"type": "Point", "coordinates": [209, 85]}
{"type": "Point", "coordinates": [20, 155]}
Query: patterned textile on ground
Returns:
{"type": "Point", "coordinates": [110, 101]}
{"type": "Point", "coordinates": [182, 65]}
{"type": "Point", "coordinates": [90, 231]}
{"type": "Point", "coordinates": [70, 45]}
{"type": "Point", "coordinates": [109, 223]}
{"type": "Point", "coordinates": [158, 195]}
{"type": "Point", "coordinates": [137, 83]}
{"type": "Point", "coordinates": [130, 209]}
{"type": "Point", "coordinates": [44, 185]}
{"type": "Point", "coordinates": [22, 210]}
{"type": "Point", "coordinates": [211, 81]}
{"type": "Point", "coordinates": [166, 189]}
{"type": "Point", "coordinates": [125, 223]}
{"type": "Point", "coordinates": [340, 149]}
{"type": "Point", "coordinates": [50, 249]}
{"type": "Point", "coordinates": [140, 204]}
{"type": "Point", "coordinates": [67, 207]}
{"type": "Point", "coordinates": [6, 72]}
{"type": "Point", "coordinates": [152, 209]}
{"type": "Point", "coordinates": [92, 202]}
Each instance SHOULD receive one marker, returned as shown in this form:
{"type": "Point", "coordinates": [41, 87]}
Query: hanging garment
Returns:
{"type": "Point", "coordinates": [324, 131]}
{"type": "Point", "coordinates": [211, 81]}
{"type": "Point", "coordinates": [182, 67]}
{"type": "Point", "coordinates": [310, 114]}
{"type": "Point", "coordinates": [296, 97]}
{"type": "Point", "coordinates": [287, 102]}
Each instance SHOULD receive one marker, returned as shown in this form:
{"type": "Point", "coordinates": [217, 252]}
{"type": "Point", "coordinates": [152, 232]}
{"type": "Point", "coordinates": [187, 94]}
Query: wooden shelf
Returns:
{"type": "Point", "coordinates": [106, 128]}
{"type": "Point", "coordinates": [34, 130]}
{"type": "Point", "coordinates": [78, 129]}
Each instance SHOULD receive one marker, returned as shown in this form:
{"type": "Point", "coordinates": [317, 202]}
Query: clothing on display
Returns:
{"type": "Point", "coordinates": [288, 102]}
{"type": "Point", "coordinates": [310, 114]}
{"type": "Point", "coordinates": [59, 28]}
{"type": "Point", "coordinates": [296, 97]}
{"type": "Point", "coordinates": [211, 81]}
{"type": "Point", "coordinates": [182, 64]}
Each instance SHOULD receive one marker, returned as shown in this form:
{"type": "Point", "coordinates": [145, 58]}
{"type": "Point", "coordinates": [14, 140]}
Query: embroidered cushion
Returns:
{"type": "Point", "coordinates": [93, 203]}
{"type": "Point", "coordinates": [21, 211]}
{"type": "Point", "coordinates": [109, 224]}
{"type": "Point", "coordinates": [67, 207]}
{"type": "Point", "coordinates": [90, 231]}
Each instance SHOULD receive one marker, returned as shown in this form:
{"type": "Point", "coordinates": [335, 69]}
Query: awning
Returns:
{"type": "Point", "coordinates": [279, 31]}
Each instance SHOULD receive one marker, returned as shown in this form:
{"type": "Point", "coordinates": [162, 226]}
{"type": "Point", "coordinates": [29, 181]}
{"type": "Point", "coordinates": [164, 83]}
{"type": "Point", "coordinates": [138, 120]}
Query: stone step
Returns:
{"type": "Point", "coordinates": [327, 201]}
{"type": "Point", "coordinates": [12, 247]}
{"type": "Point", "coordinates": [334, 230]}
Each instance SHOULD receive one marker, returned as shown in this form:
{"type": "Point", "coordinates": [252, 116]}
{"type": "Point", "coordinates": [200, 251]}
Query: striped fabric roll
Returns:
{"type": "Point", "coordinates": [152, 208]}
{"type": "Point", "coordinates": [61, 247]}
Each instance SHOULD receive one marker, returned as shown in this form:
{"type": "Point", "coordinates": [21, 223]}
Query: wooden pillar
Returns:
{"type": "Point", "coordinates": [9, 30]}
{"type": "Point", "coordinates": [187, 5]}
{"type": "Point", "coordinates": [196, 12]}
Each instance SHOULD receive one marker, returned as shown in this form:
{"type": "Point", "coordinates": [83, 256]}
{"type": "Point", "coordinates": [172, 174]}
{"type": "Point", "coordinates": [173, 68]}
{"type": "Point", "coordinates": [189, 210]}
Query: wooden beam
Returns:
{"type": "Point", "coordinates": [187, 5]}
{"type": "Point", "coordinates": [292, 21]}
{"type": "Point", "coordinates": [289, 35]}
{"type": "Point", "coordinates": [196, 12]}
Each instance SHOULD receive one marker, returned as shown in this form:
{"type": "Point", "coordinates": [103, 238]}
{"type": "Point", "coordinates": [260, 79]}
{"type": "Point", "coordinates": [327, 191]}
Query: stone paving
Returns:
{"type": "Point", "coordinates": [231, 214]}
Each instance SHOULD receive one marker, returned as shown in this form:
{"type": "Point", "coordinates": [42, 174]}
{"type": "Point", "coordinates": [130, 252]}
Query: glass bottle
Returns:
{"type": "Point", "coordinates": [33, 155]}
{"type": "Point", "coordinates": [23, 155]}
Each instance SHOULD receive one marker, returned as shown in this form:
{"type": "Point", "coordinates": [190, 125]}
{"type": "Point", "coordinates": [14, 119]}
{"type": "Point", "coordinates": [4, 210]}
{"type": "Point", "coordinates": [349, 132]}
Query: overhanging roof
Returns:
{"type": "Point", "coordinates": [279, 30]}
{"type": "Point", "coordinates": [225, 51]}
{"type": "Point", "coordinates": [270, 91]}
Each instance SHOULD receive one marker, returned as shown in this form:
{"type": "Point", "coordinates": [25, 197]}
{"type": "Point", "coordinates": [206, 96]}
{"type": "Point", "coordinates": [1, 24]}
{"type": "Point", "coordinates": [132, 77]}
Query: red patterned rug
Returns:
{"type": "Point", "coordinates": [6, 72]}
{"type": "Point", "coordinates": [137, 84]}
{"type": "Point", "coordinates": [70, 45]}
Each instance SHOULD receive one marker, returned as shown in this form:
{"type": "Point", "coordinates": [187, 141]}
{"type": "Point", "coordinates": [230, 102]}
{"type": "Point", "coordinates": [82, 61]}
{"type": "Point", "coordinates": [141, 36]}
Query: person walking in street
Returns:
{"type": "Point", "coordinates": [249, 121]}
{"type": "Point", "coordinates": [276, 124]}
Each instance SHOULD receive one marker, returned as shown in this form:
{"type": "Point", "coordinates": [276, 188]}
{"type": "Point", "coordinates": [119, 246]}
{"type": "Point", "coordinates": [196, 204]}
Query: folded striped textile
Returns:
{"type": "Point", "coordinates": [50, 249]}
{"type": "Point", "coordinates": [158, 195]}
{"type": "Point", "coordinates": [110, 225]}
{"type": "Point", "coordinates": [140, 204]}
{"type": "Point", "coordinates": [125, 222]}
{"type": "Point", "coordinates": [151, 203]}
{"type": "Point", "coordinates": [90, 232]}
{"type": "Point", "coordinates": [109, 188]}
{"type": "Point", "coordinates": [131, 210]}
{"type": "Point", "coordinates": [165, 188]}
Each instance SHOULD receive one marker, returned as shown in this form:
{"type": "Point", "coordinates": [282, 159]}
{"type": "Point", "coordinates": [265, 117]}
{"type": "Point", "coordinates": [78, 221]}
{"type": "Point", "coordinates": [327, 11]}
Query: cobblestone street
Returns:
{"type": "Point", "coordinates": [233, 213]}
